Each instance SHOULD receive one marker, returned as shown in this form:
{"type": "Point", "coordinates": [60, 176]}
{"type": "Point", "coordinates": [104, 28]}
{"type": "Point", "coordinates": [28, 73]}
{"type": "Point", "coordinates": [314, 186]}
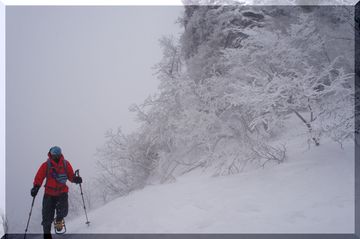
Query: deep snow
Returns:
{"type": "Point", "coordinates": [313, 192]}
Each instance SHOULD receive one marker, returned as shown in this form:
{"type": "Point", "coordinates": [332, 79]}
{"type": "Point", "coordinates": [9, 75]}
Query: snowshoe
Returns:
{"type": "Point", "coordinates": [59, 226]}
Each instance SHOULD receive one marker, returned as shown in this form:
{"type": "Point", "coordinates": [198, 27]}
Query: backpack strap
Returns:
{"type": "Point", "coordinates": [47, 171]}
{"type": "Point", "coordinates": [65, 166]}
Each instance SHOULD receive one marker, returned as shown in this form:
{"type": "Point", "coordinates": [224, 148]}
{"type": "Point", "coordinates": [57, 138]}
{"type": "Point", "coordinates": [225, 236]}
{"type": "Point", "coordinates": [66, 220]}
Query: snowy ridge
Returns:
{"type": "Point", "coordinates": [313, 192]}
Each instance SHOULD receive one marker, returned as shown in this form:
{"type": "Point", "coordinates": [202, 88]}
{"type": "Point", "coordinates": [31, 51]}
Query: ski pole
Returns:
{"type": "Point", "coordinates": [27, 225]}
{"type": "Point", "coordinates": [77, 173]}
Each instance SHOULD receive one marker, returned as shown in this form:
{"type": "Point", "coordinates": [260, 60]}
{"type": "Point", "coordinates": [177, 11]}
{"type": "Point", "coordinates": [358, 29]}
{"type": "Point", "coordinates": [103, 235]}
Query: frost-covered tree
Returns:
{"type": "Point", "coordinates": [126, 162]}
{"type": "Point", "coordinates": [191, 106]}
{"type": "Point", "coordinates": [294, 46]}
{"type": "Point", "coordinates": [293, 70]}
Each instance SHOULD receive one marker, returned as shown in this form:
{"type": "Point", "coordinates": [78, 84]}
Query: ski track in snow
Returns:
{"type": "Point", "coordinates": [313, 192]}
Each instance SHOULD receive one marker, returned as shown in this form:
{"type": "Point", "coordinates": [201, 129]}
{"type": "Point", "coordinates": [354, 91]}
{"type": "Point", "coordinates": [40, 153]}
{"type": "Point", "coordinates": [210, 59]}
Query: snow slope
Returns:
{"type": "Point", "coordinates": [313, 192]}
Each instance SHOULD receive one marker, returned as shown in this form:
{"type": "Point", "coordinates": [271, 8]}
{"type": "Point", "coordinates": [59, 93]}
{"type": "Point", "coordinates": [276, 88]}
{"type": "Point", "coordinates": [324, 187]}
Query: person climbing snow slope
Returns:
{"type": "Point", "coordinates": [57, 171]}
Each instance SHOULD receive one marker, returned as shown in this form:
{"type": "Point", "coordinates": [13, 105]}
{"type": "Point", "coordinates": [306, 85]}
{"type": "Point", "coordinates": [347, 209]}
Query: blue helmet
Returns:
{"type": "Point", "coordinates": [55, 151]}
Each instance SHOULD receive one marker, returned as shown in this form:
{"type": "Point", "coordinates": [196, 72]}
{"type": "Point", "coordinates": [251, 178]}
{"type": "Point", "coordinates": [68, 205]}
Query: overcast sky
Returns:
{"type": "Point", "coordinates": [71, 75]}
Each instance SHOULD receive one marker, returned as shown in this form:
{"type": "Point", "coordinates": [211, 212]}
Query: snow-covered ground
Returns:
{"type": "Point", "coordinates": [313, 192]}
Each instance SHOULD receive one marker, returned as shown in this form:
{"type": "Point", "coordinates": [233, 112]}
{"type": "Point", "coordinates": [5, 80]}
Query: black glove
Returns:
{"type": "Point", "coordinates": [34, 191]}
{"type": "Point", "coordinates": [77, 179]}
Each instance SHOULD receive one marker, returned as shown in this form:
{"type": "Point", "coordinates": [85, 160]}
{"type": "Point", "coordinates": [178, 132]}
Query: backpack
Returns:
{"type": "Point", "coordinates": [61, 178]}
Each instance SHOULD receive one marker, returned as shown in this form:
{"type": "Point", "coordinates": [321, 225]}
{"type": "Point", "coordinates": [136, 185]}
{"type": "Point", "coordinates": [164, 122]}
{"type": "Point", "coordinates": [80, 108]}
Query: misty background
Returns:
{"type": "Point", "coordinates": [71, 75]}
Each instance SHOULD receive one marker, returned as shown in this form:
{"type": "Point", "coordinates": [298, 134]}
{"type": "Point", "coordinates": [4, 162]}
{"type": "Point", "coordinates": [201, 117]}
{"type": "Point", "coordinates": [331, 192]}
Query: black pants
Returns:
{"type": "Point", "coordinates": [51, 204]}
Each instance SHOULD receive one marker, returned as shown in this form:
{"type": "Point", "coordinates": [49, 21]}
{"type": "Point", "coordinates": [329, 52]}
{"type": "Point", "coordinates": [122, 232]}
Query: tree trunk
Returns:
{"type": "Point", "coordinates": [308, 125]}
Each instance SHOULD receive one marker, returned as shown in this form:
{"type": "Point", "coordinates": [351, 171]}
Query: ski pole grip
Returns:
{"type": "Point", "coordinates": [77, 173]}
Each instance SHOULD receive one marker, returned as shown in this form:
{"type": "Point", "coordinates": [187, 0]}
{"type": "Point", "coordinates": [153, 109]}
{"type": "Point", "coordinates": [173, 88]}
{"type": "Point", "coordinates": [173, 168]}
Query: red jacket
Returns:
{"type": "Point", "coordinates": [53, 187]}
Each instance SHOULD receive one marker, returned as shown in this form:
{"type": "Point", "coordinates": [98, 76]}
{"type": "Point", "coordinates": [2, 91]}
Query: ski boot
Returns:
{"type": "Point", "coordinates": [59, 226]}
